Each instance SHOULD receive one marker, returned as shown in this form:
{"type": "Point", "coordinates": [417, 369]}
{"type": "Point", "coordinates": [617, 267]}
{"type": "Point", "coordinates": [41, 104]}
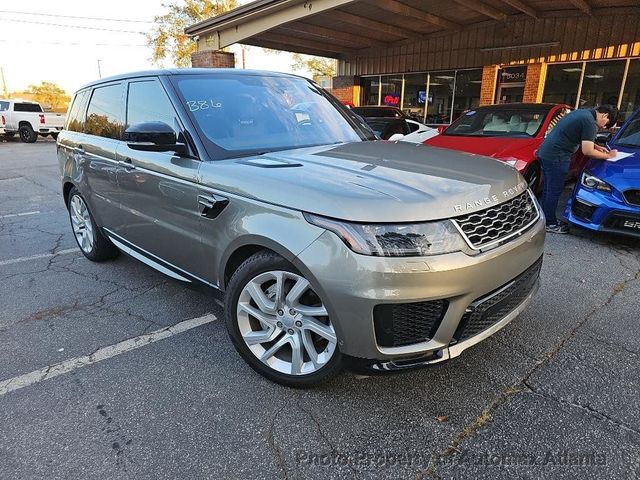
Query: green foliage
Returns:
{"type": "Point", "coordinates": [48, 95]}
{"type": "Point", "coordinates": [168, 39]}
{"type": "Point", "coordinates": [318, 66]}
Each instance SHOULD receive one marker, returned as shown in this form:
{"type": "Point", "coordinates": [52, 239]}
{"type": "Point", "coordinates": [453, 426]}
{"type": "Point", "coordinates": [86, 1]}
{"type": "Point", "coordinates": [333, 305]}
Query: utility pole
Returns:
{"type": "Point", "coordinates": [4, 84]}
{"type": "Point", "coordinates": [99, 72]}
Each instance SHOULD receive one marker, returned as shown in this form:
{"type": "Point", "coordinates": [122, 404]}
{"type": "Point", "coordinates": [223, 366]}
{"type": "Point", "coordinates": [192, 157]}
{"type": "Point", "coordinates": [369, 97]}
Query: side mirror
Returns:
{"type": "Point", "coordinates": [603, 138]}
{"type": "Point", "coordinates": [154, 137]}
{"type": "Point", "coordinates": [441, 128]}
{"type": "Point", "coordinates": [396, 137]}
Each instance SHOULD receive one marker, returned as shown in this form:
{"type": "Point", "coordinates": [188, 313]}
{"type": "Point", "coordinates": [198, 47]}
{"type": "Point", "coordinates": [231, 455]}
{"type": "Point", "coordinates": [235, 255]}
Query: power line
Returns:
{"type": "Point", "coordinates": [45, 42]}
{"type": "Point", "coordinates": [77, 17]}
{"type": "Point", "coordinates": [70, 26]}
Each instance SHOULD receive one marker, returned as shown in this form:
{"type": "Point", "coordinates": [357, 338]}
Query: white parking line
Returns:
{"type": "Point", "coordinates": [103, 353]}
{"type": "Point", "coordinates": [36, 257]}
{"type": "Point", "coordinates": [11, 215]}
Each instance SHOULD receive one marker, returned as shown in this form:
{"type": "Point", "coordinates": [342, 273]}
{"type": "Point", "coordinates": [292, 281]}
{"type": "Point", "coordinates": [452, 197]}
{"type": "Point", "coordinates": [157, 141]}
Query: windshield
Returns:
{"type": "Point", "coordinates": [630, 135]}
{"type": "Point", "coordinates": [242, 115]}
{"type": "Point", "coordinates": [501, 122]}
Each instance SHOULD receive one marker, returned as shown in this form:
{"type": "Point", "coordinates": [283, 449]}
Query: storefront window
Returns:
{"type": "Point", "coordinates": [391, 90]}
{"type": "Point", "coordinates": [631, 95]}
{"type": "Point", "coordinates": [601, 84]}
{"type": "Point", "coordinates": [440, 97]}
{"type": "Point", "coordinates": [370, 90]}
{"type": "Point", "coordinates": [562, 82]}
{"type": "Point", "coordinates": [415, 94]}
{"type": "Point", "coordinates": [468, 83]}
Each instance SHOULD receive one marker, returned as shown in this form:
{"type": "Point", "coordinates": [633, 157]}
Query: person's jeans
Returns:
{"type": "Point", "coordinates": [555, 174]}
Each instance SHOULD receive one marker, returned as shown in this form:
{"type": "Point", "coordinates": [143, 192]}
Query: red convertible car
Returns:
{"type": "Point", "coordinates": [510, 132]}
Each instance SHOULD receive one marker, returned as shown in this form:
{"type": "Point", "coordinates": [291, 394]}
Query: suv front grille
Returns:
{"type": "Point", "coordinates": [488, 310]}
{"type": "Point", "coordinates": [496, 224]}
{"type": "Point", "coordinates": [398, 324]}
{"type": "Point", "coordinates": [632, 197]}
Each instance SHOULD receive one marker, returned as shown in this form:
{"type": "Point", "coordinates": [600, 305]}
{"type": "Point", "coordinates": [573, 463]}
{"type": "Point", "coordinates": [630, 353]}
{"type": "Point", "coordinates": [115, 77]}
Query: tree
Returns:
{"type": "Point", "coordinates": [48, 94]}
{"type": "Point", "coordinates": [168, 39]}
{"type": "Point", "coordinates": [318, 66]}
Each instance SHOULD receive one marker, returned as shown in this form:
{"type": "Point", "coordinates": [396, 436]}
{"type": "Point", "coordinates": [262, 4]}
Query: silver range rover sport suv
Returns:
{"type": "Point", "coordinates": [332, 247]}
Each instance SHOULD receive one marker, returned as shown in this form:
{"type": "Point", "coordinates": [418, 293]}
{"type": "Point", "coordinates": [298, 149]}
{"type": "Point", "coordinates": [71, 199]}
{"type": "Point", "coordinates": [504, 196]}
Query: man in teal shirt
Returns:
{"type": "Point", "coordinates": [575, 130]}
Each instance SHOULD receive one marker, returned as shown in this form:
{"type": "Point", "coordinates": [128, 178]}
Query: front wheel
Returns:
{"type": "Point", "coordinates": [279, 324]}
{"type": "Point", "coordinates": [27, 135]}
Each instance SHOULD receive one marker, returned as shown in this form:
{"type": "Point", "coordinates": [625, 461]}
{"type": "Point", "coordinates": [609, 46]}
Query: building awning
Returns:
{"type": "Point", "coordinates": [346, 28]}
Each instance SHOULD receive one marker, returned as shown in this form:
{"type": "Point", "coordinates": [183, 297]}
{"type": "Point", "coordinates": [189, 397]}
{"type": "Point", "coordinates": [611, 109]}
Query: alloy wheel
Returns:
{"type": "Point", "coordinates": [284, 323]}
{"type": "Point", "coordinates": [81, 222]}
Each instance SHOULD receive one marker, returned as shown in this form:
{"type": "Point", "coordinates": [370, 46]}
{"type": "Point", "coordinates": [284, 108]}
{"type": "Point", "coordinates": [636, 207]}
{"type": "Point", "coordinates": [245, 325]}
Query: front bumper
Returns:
{"type": "Point", "coordinates": [602, 212]}
{"type": "Point", "coordinates": [352, 285]}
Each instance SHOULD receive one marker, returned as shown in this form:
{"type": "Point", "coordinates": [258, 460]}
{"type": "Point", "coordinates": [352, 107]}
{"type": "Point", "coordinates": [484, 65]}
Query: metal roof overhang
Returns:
{"type": "Point", "coordinates": [343, 28]}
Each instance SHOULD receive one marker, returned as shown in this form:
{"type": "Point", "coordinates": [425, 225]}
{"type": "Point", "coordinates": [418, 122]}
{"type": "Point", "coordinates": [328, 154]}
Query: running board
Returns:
{"type": "Point", "coordinates": [147, 261]}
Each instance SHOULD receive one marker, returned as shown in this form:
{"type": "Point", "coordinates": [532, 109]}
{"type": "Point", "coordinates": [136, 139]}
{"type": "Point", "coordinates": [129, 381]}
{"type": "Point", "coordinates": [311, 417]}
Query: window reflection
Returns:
{"type": "Point", "coordinates": [370, 87]}
{"type": "Point", "coordinates": [601, 84]}
{"type": "Point", "coordinates": [631, 96]}
{"type": "Point", "coordinates": [468, 83]}
{"type": "Point", "coordinates": [441, 88]}
{"type": "Point", "coordinates": [562, 82]}
{"type": "Point", "coordinates": [391, 90]}
{"type": "Point", "coordinates": [415, 95]}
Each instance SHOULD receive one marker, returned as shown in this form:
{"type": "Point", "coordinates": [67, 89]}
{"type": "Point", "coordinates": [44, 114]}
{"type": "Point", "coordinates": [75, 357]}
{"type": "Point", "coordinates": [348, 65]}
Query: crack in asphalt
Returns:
{"type": "Point", "coordinates": [334, 451]}
{"type": "Point", "coordinates": [588, 408]}
{"type": "Point", "coordinates": [524, 384]}
{"type": "Point", "coordinates": [274, 447]}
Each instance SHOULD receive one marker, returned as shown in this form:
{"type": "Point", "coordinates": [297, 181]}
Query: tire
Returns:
{"type": "Point", "coordinates": [9, 136]}
{"type": "Point", "coordinates": [27, 135]}
{"type": "Point", "coordinates": [92, 243]}
{"type": "Point", "coordinates": [54, 136]}
{"type": "Point", "coordinates": [300, 323]}
{"type": "Point", "coordinates": [533, 177]}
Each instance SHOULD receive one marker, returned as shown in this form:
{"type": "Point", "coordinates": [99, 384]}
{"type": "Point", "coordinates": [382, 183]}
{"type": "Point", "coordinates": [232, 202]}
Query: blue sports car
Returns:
{"type": "Point", "coordinates": [607, 194]}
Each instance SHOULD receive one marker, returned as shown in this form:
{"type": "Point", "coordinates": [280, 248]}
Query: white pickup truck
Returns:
{"type": "Point", "coordinates": [28, 120]}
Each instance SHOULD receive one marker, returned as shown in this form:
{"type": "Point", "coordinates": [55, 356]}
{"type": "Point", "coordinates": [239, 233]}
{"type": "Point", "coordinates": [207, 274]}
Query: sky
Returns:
{"type": "Point", "coordinates": [35, 44]}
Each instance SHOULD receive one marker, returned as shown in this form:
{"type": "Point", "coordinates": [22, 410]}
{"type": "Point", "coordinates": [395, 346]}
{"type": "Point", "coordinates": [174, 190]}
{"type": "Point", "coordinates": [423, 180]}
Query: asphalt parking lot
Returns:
{"type": "Point", "coordinates": [103, 373]}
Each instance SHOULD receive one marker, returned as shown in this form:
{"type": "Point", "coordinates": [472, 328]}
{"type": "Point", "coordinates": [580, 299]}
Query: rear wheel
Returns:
{"type": "Point", "coordinates": [27, 135]}
{"type": "Point", "coordinates": [279, 324]}
{"type": "Point", "coordinates": [93, 244]}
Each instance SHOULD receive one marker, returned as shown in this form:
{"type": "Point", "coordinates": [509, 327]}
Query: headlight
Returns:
{"type": "Point", "coordinates": [592, 182]}
{"type": "Point", "coordinates": [401, 240]}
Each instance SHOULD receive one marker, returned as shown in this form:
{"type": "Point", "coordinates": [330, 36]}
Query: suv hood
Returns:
{"type": "Point", "coordinates": [369, 181]}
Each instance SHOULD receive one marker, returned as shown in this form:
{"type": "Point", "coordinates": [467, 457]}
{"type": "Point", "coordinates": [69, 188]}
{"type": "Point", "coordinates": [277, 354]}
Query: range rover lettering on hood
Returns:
{"type": "Point", "coordinates": [482, 202]}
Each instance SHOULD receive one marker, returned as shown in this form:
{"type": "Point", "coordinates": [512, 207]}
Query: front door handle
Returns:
{"type": "Point", "coordinates": [127, 164]}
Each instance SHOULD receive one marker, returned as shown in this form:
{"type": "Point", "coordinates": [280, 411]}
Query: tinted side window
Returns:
{"type": "Point", "coordinates": [27, 107]}
{"type": "Point", "coordinates": [75, 119]}
{"type": "Point", "coordinates": [148, 102]}
{"type": "Point", "coordinates": [104, 117]}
